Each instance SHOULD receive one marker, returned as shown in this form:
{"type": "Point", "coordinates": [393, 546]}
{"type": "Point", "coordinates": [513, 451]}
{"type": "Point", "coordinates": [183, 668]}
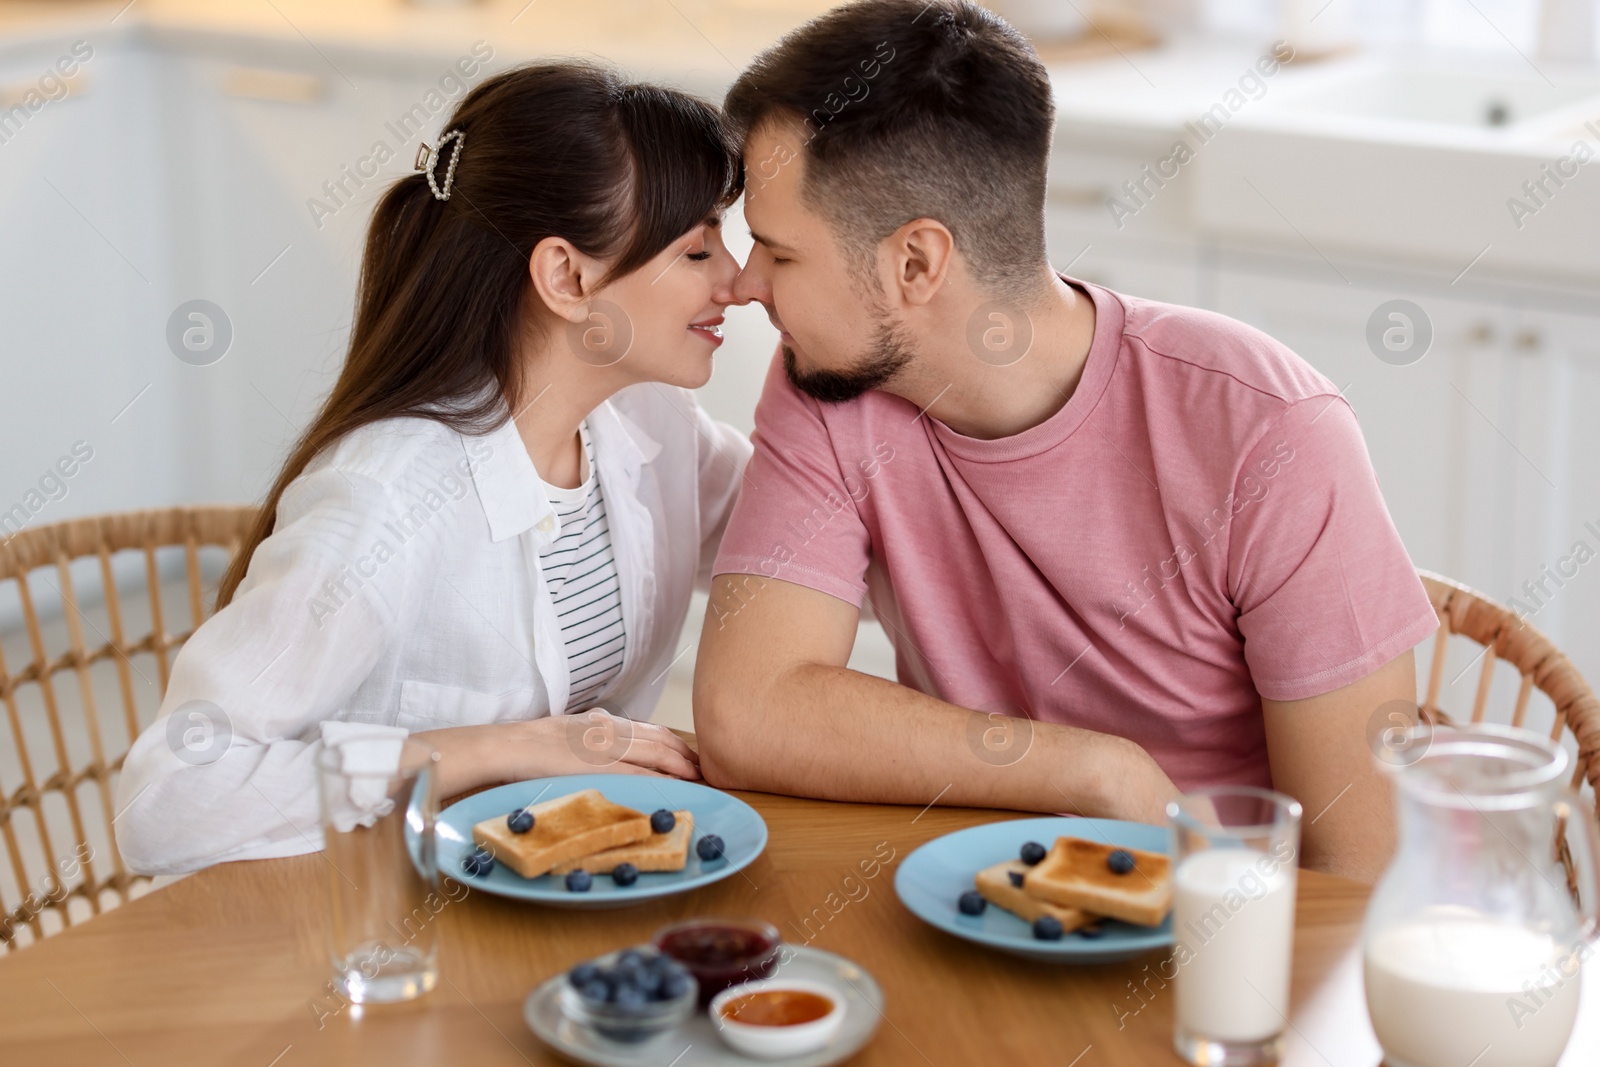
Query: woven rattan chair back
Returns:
{"type": "Point", "coordinates": [67, 737]}
{"type": "Point", "coordinates": [1506, 637]}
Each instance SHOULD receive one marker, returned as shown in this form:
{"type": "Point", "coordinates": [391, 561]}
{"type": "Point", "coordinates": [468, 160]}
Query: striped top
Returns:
{"type": "Point", "coordinates": [580, 570]}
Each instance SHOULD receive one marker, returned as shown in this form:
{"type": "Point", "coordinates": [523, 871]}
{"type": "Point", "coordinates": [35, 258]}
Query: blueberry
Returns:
{"type": "Point", "coordinates": [709, 847]}
{"type": "Point", "coordinates": [624, 874]}
{"type": "Point", "coordinates": [972, 903]}
{"type": "Point", "coordinates": [631, 998]}
{"type": "Point", "coordinates": [1047, 928]}
{"type": "Point", "coordinates": [1120, 861]}
{"type": "Point", "coordinates": [1016, 878]}
{"type": "Point", "coordinates": [598, 991]}
{"type": "Point", "coordinates": [520, 821]}
{"type": "Point", "coordinates": [579, 881]}
{"type": "Point", "coordinates": [662, 821]}
{"type": "Point", "coordinates": [478, 863]}
{"type": "Point", "coordinates": [1032, 853]}
{"type": "Point", "coordinates": [1092, 931]}
{"type": "Point", "coordinates": [674, 984]}
{"type": "Point", "coordinates": [663, 970]}
{"type": "Point", "coordinates": [631, 957]}
{"type": "Point", "coordinates": [649, 982]}
{"type": "Point", "coordinates": [583, 974]}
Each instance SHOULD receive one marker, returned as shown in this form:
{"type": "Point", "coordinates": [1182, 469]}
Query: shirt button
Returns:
{"type": "Point", "coordinates": [547, 524]}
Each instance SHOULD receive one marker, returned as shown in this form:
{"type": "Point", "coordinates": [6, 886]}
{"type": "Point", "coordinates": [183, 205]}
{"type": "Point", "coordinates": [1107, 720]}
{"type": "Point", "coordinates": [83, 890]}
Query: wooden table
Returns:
{"type": "Point", "coordinates": [229, 967]}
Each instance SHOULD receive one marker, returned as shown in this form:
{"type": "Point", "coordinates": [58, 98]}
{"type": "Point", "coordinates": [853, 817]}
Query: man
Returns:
{"type": "Point", "coordinates": [1122, 548]}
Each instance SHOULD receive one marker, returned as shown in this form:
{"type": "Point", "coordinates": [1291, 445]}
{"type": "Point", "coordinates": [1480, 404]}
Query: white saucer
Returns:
{"type": "Point", "coordinates": [698, 1037]}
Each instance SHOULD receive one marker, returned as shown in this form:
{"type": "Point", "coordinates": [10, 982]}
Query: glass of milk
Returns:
{"type": "Point", "coordinates": [1234, 852]}
{"type": "Point", "coordinates": [1472, 947]}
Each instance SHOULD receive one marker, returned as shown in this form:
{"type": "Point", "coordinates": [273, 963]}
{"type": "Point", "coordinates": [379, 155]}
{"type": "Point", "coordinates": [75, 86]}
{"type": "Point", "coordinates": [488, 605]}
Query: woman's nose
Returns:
{"type": "Point", "coordinates": [722, 291]}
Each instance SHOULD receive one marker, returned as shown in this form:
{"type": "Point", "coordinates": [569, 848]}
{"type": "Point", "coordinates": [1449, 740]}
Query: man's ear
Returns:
{"type": "Point", "coordinates": [920, 253]}
{"type": "Point", "coordinates": [564, 277]}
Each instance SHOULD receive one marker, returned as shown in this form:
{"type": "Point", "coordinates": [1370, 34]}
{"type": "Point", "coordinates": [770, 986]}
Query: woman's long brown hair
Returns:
{"type": "Point", "coordinates": [561, 149]}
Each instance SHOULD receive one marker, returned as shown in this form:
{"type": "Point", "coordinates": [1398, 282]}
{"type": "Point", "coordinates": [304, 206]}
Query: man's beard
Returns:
{"type": "Point", "coordinates": [890, 352]}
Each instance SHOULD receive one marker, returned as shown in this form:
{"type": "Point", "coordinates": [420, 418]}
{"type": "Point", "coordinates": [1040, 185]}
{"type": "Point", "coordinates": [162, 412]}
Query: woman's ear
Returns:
{"type": "Point", "coordinates": [564, 277]}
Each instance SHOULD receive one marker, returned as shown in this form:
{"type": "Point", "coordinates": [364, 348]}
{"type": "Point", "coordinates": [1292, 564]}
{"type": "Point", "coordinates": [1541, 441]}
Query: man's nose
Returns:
{"type": "Point", "coordinates": [752, 284]}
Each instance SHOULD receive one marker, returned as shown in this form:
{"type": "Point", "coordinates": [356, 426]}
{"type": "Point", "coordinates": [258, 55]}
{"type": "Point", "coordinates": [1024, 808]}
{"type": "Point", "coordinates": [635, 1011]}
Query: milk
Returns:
{"type": "Point", "coordinates": [1234, 928]}
{"type": "Point", "coordinates": [1448, 990]}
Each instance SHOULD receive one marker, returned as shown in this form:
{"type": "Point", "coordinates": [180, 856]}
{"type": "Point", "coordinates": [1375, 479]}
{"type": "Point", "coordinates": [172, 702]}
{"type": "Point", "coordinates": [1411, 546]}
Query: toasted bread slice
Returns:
{"type": "Point", "coordinates": [565, 828]}
{"type": "Point", "coordinates": [658, 852]}
{"type": "Point", "coordinates": [995, 885]}
{"type": "Point", "coordinates": [1074, 874]}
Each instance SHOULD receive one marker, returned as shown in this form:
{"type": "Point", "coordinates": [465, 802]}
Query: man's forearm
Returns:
{"type": "Point", "coordinates": [834, 733]}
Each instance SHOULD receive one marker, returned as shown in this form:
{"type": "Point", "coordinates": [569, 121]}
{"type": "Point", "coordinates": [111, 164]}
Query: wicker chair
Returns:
{"type": "Point", "coordinates": [1506, 636]}
{"type": "Point", "coordinates": [44, 878]}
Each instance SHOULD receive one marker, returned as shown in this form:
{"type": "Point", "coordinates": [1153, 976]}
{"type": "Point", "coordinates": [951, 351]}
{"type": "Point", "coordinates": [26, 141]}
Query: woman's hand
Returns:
{"type": "Point", "coordinates": [592, 742]}
{"type": "Point", "coordinates": [595, 741]}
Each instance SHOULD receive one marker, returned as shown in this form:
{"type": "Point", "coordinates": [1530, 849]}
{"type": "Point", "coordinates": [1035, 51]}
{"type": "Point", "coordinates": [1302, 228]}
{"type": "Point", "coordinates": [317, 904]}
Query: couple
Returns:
{"type": "Point", "coordinates": [1122, 548]}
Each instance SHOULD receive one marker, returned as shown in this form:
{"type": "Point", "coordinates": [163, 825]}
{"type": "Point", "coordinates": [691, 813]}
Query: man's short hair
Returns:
{"type": "Point", "coordinates": [913, 109]}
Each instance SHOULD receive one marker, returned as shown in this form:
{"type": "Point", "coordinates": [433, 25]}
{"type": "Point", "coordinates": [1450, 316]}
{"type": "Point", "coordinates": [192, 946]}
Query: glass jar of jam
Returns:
{"type": "Point", "coordinates": [721, 952]}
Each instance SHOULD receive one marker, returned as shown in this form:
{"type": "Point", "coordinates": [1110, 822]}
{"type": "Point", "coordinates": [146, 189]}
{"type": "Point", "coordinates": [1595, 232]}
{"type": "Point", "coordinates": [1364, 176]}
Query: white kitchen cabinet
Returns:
{"type": "Point", "coordinates": [82, 283]}
{"type": "Point", "coordinates": [253, 140]}
{"type": "Point", "coordinates": [1152, 253]}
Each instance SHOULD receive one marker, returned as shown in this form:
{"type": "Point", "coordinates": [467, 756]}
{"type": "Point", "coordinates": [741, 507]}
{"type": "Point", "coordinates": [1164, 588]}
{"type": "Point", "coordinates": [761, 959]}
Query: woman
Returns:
{"type": "Point", "coordinates": [499, 515]}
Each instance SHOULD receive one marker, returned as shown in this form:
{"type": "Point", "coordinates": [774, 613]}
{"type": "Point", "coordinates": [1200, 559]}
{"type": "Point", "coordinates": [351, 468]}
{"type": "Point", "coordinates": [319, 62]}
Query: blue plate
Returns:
{"type": "Point", "coordinates": [743, 833]}
{"type": "Point", "coordinates": [931, 880]}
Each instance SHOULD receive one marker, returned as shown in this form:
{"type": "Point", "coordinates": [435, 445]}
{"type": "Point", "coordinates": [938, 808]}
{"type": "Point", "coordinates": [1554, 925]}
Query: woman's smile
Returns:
{"type": "Point", "coordinates": [711, 329]}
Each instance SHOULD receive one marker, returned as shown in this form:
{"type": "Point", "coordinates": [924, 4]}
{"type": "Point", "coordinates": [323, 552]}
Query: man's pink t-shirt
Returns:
{"type": "Point", "coordinates": [1198, 527]}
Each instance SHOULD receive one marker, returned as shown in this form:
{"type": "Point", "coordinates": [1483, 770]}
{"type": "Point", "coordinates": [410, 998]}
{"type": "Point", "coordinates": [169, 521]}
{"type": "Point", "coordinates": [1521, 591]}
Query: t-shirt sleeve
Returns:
{"type": "Point", "coordinates": [724, 452]}
{"type": "Point", "coordinates": [1325, 591]}
{"type": "Point", "coordinates": [796, 520]}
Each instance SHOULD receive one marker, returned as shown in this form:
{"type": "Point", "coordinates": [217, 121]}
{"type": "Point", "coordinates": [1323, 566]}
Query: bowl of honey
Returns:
{"type": "Point", "coordinates": [777, 1017]}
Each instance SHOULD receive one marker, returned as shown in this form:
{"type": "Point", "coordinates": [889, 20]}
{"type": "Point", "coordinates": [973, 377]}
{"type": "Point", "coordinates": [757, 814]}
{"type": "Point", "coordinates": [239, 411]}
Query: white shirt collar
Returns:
{"type": "Point", "coordinates": [508, 484]}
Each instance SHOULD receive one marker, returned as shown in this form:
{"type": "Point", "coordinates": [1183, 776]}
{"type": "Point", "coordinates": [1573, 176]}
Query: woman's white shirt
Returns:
{"type": "Point", "coordinates": [401, 589]}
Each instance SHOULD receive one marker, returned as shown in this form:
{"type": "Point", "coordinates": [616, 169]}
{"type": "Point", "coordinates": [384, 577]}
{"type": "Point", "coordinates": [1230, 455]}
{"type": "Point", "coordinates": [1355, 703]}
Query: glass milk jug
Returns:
{"type": "Point", "coordinates": [1472, 947]}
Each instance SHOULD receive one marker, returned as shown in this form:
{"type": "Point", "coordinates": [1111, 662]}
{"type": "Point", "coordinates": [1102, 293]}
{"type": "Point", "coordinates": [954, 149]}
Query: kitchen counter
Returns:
{"type": "Point", "coordinates": [691, 41]}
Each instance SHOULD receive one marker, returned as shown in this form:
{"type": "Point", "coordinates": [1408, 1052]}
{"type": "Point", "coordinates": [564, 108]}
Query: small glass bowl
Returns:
{"type": "Point", "coordinates": [770, 1042]}
{"type": "Point", "coordinates": [722, 952]}
{"type": "Point", "coordinates": [634, 1026]}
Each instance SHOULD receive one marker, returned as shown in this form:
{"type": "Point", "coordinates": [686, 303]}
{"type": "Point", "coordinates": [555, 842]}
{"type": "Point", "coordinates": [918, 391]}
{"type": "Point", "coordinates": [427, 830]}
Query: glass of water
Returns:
{"type": "Point", "coordinates": [379, 803]}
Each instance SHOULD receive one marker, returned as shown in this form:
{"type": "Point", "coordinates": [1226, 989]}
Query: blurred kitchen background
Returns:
{"type": "Point", "coordinates": [1434, 153]}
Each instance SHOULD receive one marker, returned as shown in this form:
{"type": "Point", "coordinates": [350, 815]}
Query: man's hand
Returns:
{"type": "Point", "coordinates": [1320, 756]}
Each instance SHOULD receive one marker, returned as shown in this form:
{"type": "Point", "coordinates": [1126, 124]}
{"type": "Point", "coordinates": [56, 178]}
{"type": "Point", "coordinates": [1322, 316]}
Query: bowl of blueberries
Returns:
{"type": "Point", "coordinates": [630, 996]}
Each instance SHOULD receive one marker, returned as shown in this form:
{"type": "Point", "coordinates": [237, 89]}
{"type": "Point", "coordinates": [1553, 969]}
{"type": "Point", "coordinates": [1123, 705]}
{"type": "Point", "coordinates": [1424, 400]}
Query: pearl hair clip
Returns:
{"type": "Point", "coordinates": [428, 158]}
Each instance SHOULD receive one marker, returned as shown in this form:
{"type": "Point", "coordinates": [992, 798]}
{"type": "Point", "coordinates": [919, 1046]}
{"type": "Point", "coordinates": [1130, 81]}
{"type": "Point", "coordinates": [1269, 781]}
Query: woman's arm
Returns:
{"type": "Point", "coordinates": [228, 768]}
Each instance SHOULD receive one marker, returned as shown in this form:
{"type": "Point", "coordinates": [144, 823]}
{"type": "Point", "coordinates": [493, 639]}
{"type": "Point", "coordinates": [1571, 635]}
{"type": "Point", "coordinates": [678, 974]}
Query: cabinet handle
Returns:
{"type": "Point", "coordinates": [1080, 195]}
{"type": "Point", "coordinates": [1481, 333]}
{"type": "Point", "coordinates": [1529, 340]}
{"type": "Point", "coordinates": [278, 86]}
{"type": "Point", "coordinates": [14, 94]}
